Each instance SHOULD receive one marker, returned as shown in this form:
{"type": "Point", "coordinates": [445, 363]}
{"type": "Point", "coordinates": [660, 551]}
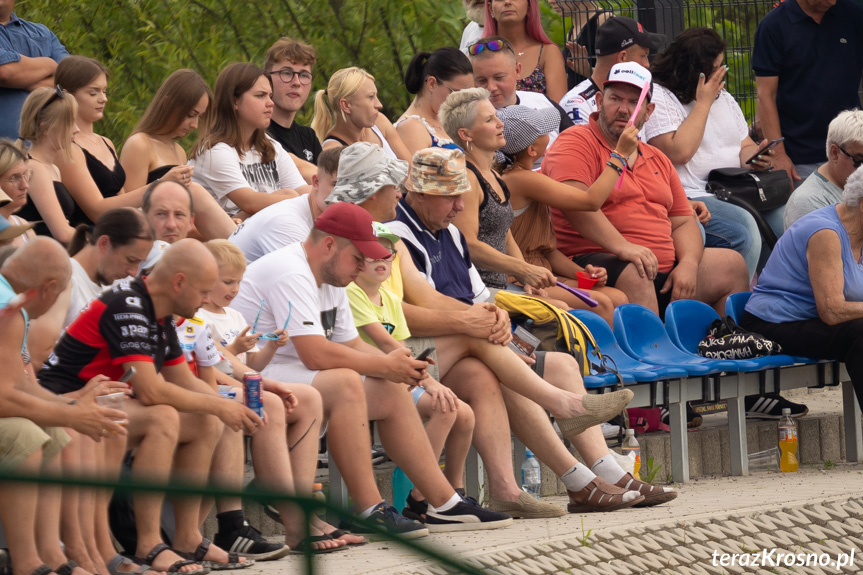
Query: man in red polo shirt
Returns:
{"type": "Point", "coordinates": [645, 234]}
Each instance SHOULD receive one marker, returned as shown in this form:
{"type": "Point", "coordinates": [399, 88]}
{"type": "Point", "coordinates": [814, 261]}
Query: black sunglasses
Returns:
{"type": "Point", "coordinates": [857, 162]}
{"type": "Point", "coordinates": [59, 94]}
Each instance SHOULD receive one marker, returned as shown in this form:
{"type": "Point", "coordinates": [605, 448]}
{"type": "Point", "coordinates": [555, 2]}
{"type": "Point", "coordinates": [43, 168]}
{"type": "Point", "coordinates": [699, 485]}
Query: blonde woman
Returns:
{"type": "Point", "coordinates": [48, 123]}
{"type": "Point", "coordinates": [348, 111]}
{"type": "Point", "coordinates": [15, 175]}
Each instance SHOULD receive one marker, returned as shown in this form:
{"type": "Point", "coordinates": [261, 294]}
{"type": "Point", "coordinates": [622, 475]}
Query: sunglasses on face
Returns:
{"type": "Point", "coordinates": [856, 161]}
{"type": "Point", "coordinates": [389, 258]}
{"type": "Point", "coordinates": [491, 45]}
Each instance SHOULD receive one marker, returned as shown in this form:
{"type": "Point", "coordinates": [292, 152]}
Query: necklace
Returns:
{"type": "Point", "coordinates": [89, 138]}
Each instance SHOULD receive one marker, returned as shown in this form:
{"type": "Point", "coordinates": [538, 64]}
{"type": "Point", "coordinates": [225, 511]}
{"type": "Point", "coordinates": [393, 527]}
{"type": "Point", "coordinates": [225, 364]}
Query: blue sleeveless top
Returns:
{"type": "Point", "coordinates": [784, 292]}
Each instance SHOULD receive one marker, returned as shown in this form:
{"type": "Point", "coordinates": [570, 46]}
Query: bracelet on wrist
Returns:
{"type": "Point", "coordinates": [617, 155]}
{"type": "Point", "coordinates": [616, 168]}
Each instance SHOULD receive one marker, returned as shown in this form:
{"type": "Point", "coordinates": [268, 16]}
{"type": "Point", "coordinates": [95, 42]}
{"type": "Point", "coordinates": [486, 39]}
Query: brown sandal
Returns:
{"type": "Point", "coordinates": [599, 495]}
{"type": "Point", "coordinates": [653, 494]}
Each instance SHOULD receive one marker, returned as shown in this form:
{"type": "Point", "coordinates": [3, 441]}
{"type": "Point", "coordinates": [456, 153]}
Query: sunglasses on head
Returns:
{"type": "Point", "coordinates": [491, 45]}
{"type": "Point", "coordinates": [59, 94]}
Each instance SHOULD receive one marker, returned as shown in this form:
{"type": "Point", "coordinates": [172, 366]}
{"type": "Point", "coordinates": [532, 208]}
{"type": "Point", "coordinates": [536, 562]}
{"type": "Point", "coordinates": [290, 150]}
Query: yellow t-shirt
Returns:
{"type": "Point", "coordinates": [390, 314]}
{"type": "Point", "coordinates": [394, 283]}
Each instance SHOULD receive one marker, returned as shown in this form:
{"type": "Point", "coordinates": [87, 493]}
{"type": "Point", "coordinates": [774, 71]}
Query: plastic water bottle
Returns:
{"type": "Point", "coordinates": [530, 479]}
{"type": "Point", "coordinates": [630, 445]}
{"type": "Point", "coordinates": [788, 442]}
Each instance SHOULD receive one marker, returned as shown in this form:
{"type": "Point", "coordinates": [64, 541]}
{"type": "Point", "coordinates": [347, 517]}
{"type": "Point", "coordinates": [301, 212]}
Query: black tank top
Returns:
{"type": "Point", "coordinates": [30, 213]}
{"type": "Point", "coordinates": [495, 219]}
{"type": "Point", "coordinates": [109, 182]}
{"type": "Point", "coordinates": [158, 173]}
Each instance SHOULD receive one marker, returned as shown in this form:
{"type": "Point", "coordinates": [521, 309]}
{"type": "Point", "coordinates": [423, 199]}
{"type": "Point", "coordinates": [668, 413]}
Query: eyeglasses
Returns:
{"type": "Point", "coordinates": [389, 258]}
{"type": "Point", "coordinates": [287, 74]}
{"type": "Point", "coordinates": [442, 83]}
{"type": "Point", "coordinates": [491, 45]}
{"type": "Point", "coordinates": [857, 162]}
{"type": "Point", "coordinates": [18, 178]}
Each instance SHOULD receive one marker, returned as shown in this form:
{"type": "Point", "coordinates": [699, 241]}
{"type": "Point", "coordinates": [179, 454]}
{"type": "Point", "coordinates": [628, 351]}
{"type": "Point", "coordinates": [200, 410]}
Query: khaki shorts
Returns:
{"type": "Point", "coordinates": [20, 438]}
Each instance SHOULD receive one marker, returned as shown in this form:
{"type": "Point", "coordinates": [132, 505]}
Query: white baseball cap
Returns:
{"type": "Point", "coordinates": [630, 73]}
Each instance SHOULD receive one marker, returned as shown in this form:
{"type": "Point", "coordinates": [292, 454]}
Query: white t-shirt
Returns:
{"type": "Point", "coordinates": [221, 171]}
{"type": "Point", "coordinates": [284, 276]}
{"type": "Point", "coordinates": [579, 103]}
{"type": "Point", "coordinates": [720, 147]}
{"type": "Point", "coordinates": [197, 343]}
{"type": "Point", "coordinates": [84, 290]}
{"type": "Point", "coordinates": [472, 33]}
{"type": "Point", "coordinates": [225, 327]}
{"type": "Point", "coordinates": [274, 227]}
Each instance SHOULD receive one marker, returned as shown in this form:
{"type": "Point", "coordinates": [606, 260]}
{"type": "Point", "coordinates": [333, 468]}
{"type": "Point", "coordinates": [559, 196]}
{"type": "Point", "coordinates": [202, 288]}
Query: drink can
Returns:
{"type": "Point", "coordinates": [252, 388]}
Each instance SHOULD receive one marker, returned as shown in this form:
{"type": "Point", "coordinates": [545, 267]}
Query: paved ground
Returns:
{"type": "Point", "coordinates": [812, 511]}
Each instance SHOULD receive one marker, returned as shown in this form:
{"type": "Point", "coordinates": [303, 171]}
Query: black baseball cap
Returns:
{"type": "Point", "coordinates": [619, 33]}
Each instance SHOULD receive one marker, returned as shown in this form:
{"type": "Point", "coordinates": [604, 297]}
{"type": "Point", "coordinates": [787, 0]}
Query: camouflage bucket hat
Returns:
{"type": "Point", "coordinates": [438, 172]}
{"type": "Point", "coordinates": [364, 168]}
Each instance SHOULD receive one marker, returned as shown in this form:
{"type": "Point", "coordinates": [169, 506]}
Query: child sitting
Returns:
{"type": "Point", "coordinates": [228, 326]}
{"type": "Point", "coordinates": [381, 322]}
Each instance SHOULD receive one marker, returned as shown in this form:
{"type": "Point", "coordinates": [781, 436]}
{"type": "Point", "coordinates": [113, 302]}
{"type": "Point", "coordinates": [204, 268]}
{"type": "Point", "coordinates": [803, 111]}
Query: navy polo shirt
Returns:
{"type": "Point", "coordinates": [22, 38]}
{"type": "Point", "coordinates": [819, 68]}
{"type": "Point", "coordinates": [436, 255]}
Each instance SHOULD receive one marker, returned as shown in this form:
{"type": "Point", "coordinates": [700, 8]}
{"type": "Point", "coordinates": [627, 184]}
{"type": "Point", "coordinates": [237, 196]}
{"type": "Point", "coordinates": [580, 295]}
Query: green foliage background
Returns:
{"type": "Point", "coordinates": [142, 41]}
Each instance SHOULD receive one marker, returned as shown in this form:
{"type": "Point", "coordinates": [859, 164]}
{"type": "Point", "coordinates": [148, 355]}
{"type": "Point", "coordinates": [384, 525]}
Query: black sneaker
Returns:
{"type": "Point", "coordinates": [770, 405]}
{"type": "Point", "coordinates": [465, 516]}
{"type": "Point", "coordinates": [248, 542]}
{"type": "Point", "coordinates": [386, 517]}
{"type": "Point", "coordinates": [693, 420]}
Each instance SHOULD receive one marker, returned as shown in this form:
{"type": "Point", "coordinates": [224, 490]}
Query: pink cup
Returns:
{"type": "Point", "coordinates": [585, 281]}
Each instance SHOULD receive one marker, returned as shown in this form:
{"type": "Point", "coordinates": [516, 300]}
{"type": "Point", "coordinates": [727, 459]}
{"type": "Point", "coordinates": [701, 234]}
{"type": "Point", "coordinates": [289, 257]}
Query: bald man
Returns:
{"type": "Point", "coordinates": [174, 418]}
{"type": "Point", "coordinates": [30, 416]}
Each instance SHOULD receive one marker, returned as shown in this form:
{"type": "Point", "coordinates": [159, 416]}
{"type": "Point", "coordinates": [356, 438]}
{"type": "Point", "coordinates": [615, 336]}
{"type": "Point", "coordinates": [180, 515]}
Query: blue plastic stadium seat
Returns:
{"type": "Point", "coordinates": [626, 365]}
{"type": "Point", "coordinates": [688, 322]}
{"type": "Point", "coordinates": [642, 335]}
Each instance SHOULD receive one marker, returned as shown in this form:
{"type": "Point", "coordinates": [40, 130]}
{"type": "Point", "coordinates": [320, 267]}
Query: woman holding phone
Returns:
{"type": "Point", "coordinates": [700, 127]}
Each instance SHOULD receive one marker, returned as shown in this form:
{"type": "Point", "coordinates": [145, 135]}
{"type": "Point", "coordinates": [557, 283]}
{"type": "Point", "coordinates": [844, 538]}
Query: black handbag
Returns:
{"type": "Point", "coordinates": [754, 191]}
{"type": "Point", "coordinates": [727, 340]}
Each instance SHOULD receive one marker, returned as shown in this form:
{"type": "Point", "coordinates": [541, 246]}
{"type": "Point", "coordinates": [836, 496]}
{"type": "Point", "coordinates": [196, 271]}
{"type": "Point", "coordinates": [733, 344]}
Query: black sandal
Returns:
{"type": "Point", "coordinates": [175, 566]}
{"type": "Point", "coordinates": [305, 546]}
{"type": "Point", "coordinates": [66, 568]}
{"type": "Point", "coordinates": [198, 557]}
{"type": "Point", "coordinates": [42, 570]}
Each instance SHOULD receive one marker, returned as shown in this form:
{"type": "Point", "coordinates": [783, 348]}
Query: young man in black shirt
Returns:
{"type": "Point", "coordinates": [289, 63]}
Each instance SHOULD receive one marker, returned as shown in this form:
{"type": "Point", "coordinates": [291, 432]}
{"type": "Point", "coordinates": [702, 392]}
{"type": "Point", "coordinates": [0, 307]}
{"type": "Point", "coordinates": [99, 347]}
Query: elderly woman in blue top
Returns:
{"type": "Point", "coordinates": [809, 297]}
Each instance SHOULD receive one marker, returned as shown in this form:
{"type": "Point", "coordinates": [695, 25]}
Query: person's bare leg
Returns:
{"type": "Point", "coordinates": [510, 370]}
{"type": "Point", "coordinates": [154, 430]}
{"type": "Point", "coordinates": [721, 273]}
{"type": "Point", "coordinates": [211, 221]}
{"type": "Point", "coordinates": [197, 441]}
{"type": "Point", "coordinates": [458, 445]}
{"type": "Point", "coordinates": [110, 460]}
{"type": "Point", "coordinates": [226, 471]}
{"type": "Point", "coordinates": [348, 437]}
{"type": "Point", "coordinates": [76, 517]}
{"type": "Point", "coordinates": [476, 385]}
{"type": "Point", "coordinates": [606, 306]}
{"type": "Point", "coordinates": [403, 438]}
{"type": "Point", "coordinates": [438, 426]}
{"type": "Point", "coordinates": [638, 289]}
{"type": "Point", "coordinates": [18, 508]}
{"type": "Point", "coordinates": [48, 519]}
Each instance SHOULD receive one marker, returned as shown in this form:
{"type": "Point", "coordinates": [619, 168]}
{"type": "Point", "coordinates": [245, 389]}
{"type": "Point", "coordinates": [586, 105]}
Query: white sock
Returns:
{"type": "Point", "coordinates": [369, 511]}
{"type": "Point", "coordinates": [577, 477]}
{"type": "Point", "coordinates": [449, 504]}
{"type": "Point", "coordinates": [607, 468]}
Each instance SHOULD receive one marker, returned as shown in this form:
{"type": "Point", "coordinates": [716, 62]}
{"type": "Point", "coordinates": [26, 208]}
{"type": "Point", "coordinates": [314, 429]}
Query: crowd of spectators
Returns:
{"type": "Point", "coordinates": [326, 258]}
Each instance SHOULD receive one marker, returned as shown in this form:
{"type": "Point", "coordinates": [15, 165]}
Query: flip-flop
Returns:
{"type": "Point", "coordinates": [42, 570]}
{"type": "Point", "coordinates": [198, 557]}
{"type": "Point", "coordinates": [175, 566]}
{"type": "Point", "coordinates": [305, 546]}
{"type": "Point", "coordinates": [339, 534]}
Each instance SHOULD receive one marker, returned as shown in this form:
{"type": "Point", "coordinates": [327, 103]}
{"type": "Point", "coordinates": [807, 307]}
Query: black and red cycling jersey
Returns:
{"type": "Point", "coordinates": [117, 327]}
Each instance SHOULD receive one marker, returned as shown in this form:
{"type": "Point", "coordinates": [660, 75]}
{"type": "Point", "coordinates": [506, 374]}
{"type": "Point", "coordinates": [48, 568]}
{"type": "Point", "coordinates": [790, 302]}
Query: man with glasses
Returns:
{"type": "Point", "coordinates": [496, 69]}
{"type": "Point", "coordinates": [29, 54]}
{"type": "Point", "coordinates": [289, 63]}
{"type": "Point", "coordinates": [844, 155]}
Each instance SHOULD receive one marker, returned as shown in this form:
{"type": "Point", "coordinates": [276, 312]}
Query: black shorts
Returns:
{"type": "Point", "coordinates": [615, 266]}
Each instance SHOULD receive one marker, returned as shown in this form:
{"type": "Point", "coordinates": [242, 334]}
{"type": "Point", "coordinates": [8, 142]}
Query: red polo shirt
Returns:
{"type": "Point", "coordinates": [640, 210]}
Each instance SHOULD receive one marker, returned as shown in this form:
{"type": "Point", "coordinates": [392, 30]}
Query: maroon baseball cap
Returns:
{"type": "Point", "coordinates": [352, 222]}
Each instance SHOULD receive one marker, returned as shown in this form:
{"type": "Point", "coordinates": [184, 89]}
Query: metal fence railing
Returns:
{"type": "Point", "coordinates": [734, 20]}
